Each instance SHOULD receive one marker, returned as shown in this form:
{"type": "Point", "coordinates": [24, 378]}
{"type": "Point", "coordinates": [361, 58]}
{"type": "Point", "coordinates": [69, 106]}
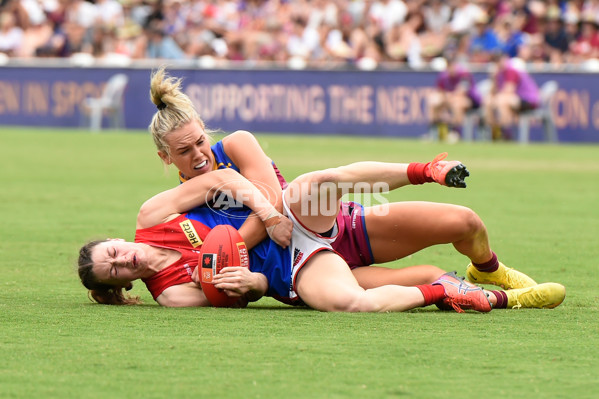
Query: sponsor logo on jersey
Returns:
{"type": "Point", "coordinates": [297, 256]}
{"type": "Point", "coordinates": [190, 233]}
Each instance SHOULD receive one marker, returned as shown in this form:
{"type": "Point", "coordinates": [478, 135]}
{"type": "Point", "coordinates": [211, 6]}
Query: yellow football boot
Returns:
{"type": "Point", "coordinates": [504, 277]}
{"type": "Point", "coordinates": [546, 295]}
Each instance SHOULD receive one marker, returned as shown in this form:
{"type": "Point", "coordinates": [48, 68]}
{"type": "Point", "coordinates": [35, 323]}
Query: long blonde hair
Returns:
{"type": "Point", "coordinates": [175, 108]}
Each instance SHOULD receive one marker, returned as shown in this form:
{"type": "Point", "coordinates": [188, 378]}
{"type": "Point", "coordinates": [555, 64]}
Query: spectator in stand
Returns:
{"type": "Point", "coordinates": [129, 40]}
{"type": "Point", "coordinates": [436, 16]}
{"type": "Point", "coordinates": [591, 8]}
{"type": "Point", "coordinates": [100, 40]}
{"type": "Point", "coordinates": [346, 42]}
{"type": "Point", "coordinates": [556, 39]}
{"type": "Point", "coordinates": [484, 42]}
{"type": "Point", "coordinates": [455, 93]}
{"type": "Point", "coordinates": [514, 33]}
{"type": "Point", "coordinates": [529, 11]}
{"type": "Point", "coordinates": [110, 13]}
{"type": "Point", "coordinates": [304, 41]}
{"type": "Point", "coordinates": [56, 44]}
{"type": "Point", "coordinates": [464, 17]}
{"type": "Point", "coordinates": [386, 14]}
{"type": "Point", "coordinates": [316, 30]}
{"type": "Point", "coordinates": [403, 42]}
{"type": "Point", "coordinates": [586, 45]}
{"type": "Point", "coordinates": [82, 13]}
{"type": "Point", "coordinates": [37, 30]}
{"type": "Point", "coordinates": [11, 36]}
{"type": "Point", "coordinates": [159, 45]}
{"type": "Point", "coordinates": [513, 91]}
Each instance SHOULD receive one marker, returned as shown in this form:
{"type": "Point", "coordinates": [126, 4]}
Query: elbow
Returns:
{"type": "Point", "coordinates": [144, 213]}
{"type": "Point", "coordinates": [223, 175]}
{"type": "Point", "coordinates": [221, 178]}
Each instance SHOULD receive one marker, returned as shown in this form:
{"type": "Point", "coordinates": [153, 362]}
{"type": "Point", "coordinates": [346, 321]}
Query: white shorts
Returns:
{"type": "Point", "coordinates": [304, 244]}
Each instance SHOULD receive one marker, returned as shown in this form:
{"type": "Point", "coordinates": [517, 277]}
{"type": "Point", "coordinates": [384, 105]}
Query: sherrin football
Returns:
{"type": "Point", "coordinates": [222, 247]}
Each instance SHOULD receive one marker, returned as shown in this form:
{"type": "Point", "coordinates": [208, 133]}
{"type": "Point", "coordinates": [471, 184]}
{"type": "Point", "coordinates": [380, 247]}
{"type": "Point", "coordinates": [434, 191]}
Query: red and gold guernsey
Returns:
{"type": "Point", "coordinates": [180, 234]}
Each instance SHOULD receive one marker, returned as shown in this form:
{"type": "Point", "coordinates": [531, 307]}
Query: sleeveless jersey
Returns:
{"type": "Point", "coordinates": [181, 234]}
{"type": "Point", "coordinates": [186, 233]}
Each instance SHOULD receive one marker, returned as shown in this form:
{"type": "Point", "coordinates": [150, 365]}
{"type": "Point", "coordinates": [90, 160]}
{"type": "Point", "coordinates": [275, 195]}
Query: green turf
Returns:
{"type": "Point", "coordinates": [57, 190]}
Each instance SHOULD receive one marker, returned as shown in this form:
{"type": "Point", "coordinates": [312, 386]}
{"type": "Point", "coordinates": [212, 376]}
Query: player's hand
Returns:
{"type": "Point", "coordinates": [235, 281]}
{"type": "Point", "coordinates": [279, 229]}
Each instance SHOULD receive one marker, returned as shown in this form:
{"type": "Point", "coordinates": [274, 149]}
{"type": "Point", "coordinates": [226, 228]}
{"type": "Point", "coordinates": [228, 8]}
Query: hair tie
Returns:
{"type": "Point", "coordinates": [161, 106]}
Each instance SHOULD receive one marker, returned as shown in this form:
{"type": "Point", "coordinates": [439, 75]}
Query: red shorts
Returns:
{"type": "Point", "coordinates": [352, 241]}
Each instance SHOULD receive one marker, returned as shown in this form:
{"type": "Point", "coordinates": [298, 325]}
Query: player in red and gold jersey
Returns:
{"type": "Point", "coordinates": [367, 236]}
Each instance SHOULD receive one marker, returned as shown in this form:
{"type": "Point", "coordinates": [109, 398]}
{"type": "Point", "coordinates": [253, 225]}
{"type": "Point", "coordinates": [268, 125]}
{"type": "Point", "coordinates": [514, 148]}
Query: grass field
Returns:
{"type": "Point", "coordinates": [60, 189]}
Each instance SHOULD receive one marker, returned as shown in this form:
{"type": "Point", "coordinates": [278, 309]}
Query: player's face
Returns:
{"type": "Point", "coordinates": [190, 150]}
{"type": "Point", "coordinates": [119, 262]}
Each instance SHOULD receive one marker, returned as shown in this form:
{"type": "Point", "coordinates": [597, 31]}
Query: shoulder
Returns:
{"type": "Point", "coordinates": [241, 146]}
{"type": "Point", "coordinates": [239, 137]}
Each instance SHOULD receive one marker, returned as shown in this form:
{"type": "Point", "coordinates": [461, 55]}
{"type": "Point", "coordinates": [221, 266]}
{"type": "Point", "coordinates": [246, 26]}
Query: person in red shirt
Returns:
{"type": "Point", "coordinates": [297, 265]}
{"type": "Point", "coordinates": [368, 237]}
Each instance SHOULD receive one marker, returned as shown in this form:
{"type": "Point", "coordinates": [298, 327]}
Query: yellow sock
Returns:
{"type": "Point", "coordinates": [496, 133]}
{"type": "Point", "coordinates": [443, 131]}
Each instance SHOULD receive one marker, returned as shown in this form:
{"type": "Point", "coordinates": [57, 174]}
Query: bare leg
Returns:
{"type": "Point", "coordinates": [375, 276]}
{"type": "Point", "coordinates": [506, 104]}
{"type": "Point", "coordinates": [459, 103]}
{"type": "Point", "coordinates": [325, 283]}
{"type": "Point", "coordinates": [314, 198]}
{"type": "Point", "coordinates": [409, 227]}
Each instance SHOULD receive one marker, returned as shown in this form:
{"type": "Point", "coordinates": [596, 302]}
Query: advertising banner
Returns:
{"type": "Point", "coordinates": [375, 103]}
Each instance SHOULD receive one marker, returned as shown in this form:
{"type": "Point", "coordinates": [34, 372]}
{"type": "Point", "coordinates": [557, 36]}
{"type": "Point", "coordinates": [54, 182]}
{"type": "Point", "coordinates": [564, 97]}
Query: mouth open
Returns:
{"type": "Point", "coordinates": [201, 165]}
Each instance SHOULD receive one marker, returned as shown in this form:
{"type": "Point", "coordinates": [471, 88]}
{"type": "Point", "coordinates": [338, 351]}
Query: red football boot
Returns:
{"type": "Point", "coordinates": [448, 173]}
{"type": "Point", "coordinates": [461, 295]}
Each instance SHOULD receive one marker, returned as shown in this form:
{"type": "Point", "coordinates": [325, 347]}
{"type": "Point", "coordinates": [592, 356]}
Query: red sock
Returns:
{"type": "Point", "coordinates": [432, 293]}
{"type": "Point", "coordinates": [419, 173]}
{"type": "Point", "coordinates": [501, 299]}
{"type": "Point", "coordinates": [489, 266]}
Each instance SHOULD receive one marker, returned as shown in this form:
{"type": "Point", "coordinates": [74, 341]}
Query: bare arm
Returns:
{"type": "Point", "coordinates": [252, 288]}
{"type": "Point", "coordinates": [245, 151]}
{"type": "Point", "coordinates": [201, 189]}
{"type": "Point", "coordinates": [183, 295]}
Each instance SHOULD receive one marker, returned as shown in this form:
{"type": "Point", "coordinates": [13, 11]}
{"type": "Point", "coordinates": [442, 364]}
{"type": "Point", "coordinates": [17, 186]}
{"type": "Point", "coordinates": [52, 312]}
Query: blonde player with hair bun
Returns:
{"type": "Point", "coordinates": [365, 235]}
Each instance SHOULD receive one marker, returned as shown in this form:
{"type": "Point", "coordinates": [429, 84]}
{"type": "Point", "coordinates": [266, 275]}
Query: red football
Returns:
{"type": "Point", "coordinates": [222, 247]}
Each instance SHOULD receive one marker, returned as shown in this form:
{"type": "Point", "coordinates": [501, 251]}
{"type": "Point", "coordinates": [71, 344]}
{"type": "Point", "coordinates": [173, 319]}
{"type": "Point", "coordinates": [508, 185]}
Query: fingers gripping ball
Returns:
{"type": "Point", "coordinates": [223, 247]}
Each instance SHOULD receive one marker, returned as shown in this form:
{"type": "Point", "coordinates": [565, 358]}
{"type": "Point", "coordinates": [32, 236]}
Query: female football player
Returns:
{"type": "Point", "coordinates": [164, 254]}
{"type": "Point", "coordinates": [366, 235]}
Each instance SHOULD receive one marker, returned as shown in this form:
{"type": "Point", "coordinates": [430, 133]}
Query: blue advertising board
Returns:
{"type": "Point", "coordinates": [377, 103]}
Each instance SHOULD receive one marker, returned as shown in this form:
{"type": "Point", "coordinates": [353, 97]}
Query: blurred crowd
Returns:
{"type": "Point", "coordinates": [364, 33]}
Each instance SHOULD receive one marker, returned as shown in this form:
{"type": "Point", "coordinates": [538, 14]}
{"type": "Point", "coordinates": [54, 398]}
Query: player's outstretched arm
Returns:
{"type": "Point", "coordinates": [202, 189]}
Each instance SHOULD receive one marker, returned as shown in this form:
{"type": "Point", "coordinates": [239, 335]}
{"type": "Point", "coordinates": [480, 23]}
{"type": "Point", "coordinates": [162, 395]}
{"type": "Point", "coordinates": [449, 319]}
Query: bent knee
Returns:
{"type": "Point", "coordinates": [460, 222]}
{"type": "Point", "coordinates": [470, 223]}
{"type": "Point", "coordinates": [312, 182]}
